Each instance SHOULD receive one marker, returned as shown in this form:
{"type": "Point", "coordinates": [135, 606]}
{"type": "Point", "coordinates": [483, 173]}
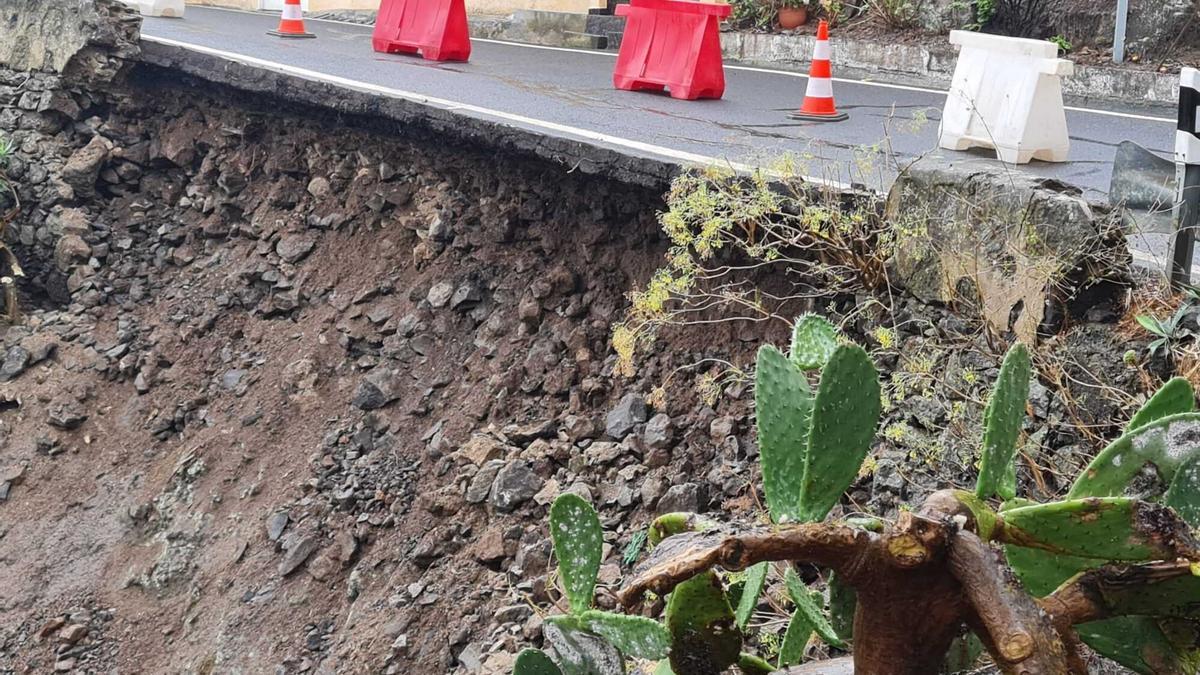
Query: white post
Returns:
{"type": "Point", "coordinates": [1119, 34]}
{"type": "Point", "coordinates": [1187, 155]}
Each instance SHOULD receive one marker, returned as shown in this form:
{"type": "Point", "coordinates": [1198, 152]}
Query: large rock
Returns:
{"type": "Point", "coordinates": [83, 166]}
{"type": "Point", "coordinates": [86, 39]}
{"type": "Point", "coordinates": [380, 387]}
{"type": "Point", "coordinates": [1021, 249]}
{"type": "Point", "coordinates": [630, 412]}
{"type": "Point", "coordinates": [515, 484]}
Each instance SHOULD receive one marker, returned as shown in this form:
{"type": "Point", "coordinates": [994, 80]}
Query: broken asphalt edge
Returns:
{"type": "Point", "coordinates": [591, 156]}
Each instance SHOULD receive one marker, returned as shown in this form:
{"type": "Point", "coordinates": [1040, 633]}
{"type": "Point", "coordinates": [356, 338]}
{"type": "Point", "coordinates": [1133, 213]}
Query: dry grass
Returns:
{"type": "Point", "coordinates": [1153, 297]}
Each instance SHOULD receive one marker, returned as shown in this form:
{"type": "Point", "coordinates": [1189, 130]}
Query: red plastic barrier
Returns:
{"type": "Point", "coordinates": [436, 28]}
{"type": "Point", "coordinates": [674, 44]}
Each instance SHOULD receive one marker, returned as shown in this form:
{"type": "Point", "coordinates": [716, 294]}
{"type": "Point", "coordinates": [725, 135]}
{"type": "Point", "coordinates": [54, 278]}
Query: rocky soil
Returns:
{"type": "Point", "coordinates": [293, 391]}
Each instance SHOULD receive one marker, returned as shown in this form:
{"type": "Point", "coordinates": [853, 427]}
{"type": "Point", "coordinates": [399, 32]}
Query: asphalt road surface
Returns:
{"type": "Point", "coordinates": [569, 92]}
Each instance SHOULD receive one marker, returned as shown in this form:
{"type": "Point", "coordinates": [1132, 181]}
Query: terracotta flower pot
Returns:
{"type": "Point", "coordinates": [792, 17]}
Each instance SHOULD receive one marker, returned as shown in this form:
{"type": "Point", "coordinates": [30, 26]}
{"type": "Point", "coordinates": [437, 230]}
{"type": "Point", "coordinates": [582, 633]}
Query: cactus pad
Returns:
{"type": "Point", "coordinates": [705, 639]}
{"type": "Point", "coordinates": [1107, 529]}
{"type": "Point", "coordinates": [578, 542]}
{"type": "Point", "coordinates": [845, 415]}
{"type": "Point", "coordinates": [756, 578]}
{"type": "Point", "coordinates": [795, 639]}
{"type": "Point", "coordinates": [1002, 420]}
{"type": "Point", "coordinates": [1166, 444]}
{"type": "Point", "coordinates": [580, 652]}
{"type": "Point", "coordinates": [634, 636]}
{"type": "Point", "coordinates": [783, 404]}
{"type": "Point", "coordinates": [1175, 397]}
{"type": "Point", "coordinates": [808, 604]}
{"type": "Point", "coordinates": [813, 341]}
{"type": "Point", "coordinates": [534, 662]}
{"type": "Point", "coordinates": [1184, 493]}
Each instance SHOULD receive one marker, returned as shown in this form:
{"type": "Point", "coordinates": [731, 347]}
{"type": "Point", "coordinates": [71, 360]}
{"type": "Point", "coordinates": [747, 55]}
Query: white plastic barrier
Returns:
{"type": "Point", "coordinates": [169, 8]}
{"type": "Point", "coordinates": [1007, 95]}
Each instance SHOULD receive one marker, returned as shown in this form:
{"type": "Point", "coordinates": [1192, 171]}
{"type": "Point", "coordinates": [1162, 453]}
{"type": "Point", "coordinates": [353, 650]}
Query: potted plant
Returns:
{"type": "Point", "coordinates": [792, 13]}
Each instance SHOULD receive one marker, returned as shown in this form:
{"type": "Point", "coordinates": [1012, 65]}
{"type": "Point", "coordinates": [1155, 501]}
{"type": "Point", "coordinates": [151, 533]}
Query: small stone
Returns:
{"type": "Point", "coordinates": [440, 294]}
{"type": "Point", "coordinates": [16, 360]}
{"type": "Point", "coordinates": [481, 448]}
{"type": "Point", "coordinates": [51, 626]}
{"type": "Point", "coordinates": [296, 556]}
{"type": "Point", "coordinates": [471, 658]}
{"type": "Point", "coordinates": [722, 427]}
{"type": "Point", "coordinates": [652, 491]}
{"type": "Point", "coordinates": [276, 524]}
{"type": "Point", "coordinates": [293, 247]}
{"type": "Point", "coordinates": [659, 432]}
{"type": "Point", "coordinates": [481, 485]}
{"type": "Point", "coordinates": [490, 547]}
{"type": "Point", "coordinates": [65, 413]}
{"type": "Point", "coordinates": [232, 378]}
{"type": "Point", "coordinates": [515, 484]}
{"type": "Point", "coordinates": [83, 166]}
{"type": "Point", "coordinates": [71, 250]}
{"type": "Point", "coordinates": [72, 634]}
{"type": "Point", "coordinates": [466, 296]}
{"type": "Point", "coordinates": [529, 310]}
{"type": "Point", "coordinates": [578, 428]}
{"type": "Point", "coordinates": [379, 315]}
{"type": "Point", "coordinates": [684, 498]}
{"type": "Point", "coordinates": [548, 493]}
{"type": "Point", "coordinates": [630, 411]}
{"type": "Point", "coordinates": [319, 187]}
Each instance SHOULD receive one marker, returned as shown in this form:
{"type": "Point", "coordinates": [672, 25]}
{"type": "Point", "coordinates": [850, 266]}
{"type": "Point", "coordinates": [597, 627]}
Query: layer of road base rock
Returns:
{"type": "Point", "coordinates": [293, 392]}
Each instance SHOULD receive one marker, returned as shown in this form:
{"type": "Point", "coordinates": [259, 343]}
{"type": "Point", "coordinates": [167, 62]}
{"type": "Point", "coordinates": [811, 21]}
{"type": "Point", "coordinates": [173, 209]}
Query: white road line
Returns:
{"type": "Point", "coordinates": [454, 106]}
{"type": "Point", "coordinates": [748, 69]}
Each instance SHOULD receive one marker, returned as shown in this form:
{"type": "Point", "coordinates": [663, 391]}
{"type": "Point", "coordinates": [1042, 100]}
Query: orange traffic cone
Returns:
{"type": "Point", "coordinates": [818, 99]}
{"type": "Point", "coordinates": [291, 22]}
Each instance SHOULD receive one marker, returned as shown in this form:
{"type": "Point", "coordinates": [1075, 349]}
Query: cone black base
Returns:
{"type": "Point", "coordinates": [290, 35]}
{"type": "Point", "coordinates": [839, 117]}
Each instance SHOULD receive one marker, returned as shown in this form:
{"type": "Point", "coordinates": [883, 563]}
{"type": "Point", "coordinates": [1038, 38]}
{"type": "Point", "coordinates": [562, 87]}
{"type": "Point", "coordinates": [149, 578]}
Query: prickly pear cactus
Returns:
{"type": "Point", "coordinates": [809, 605]}
{"type": "Point", "coordinates": [795, 639]}
{"type": "Point", "coordinates": [783, 403]}
{"type": "Point", "coordinates": [580, 652]}
{"type": "Point", "coordinates": [845, 415]}
{"type": "Point", "coordinates": [1002, 420]}
{"type": "Point", "coordinates": [1105, 529]}
{"type": "Point", "coordinates": [1175, 397]}
{"type": "Point", "coordinates": [634, 636]}
{"type": "Point", "coordinates": [578, 543]}
{"type": "Point", "coordinates": [1184, 494]}
{"type": "Point", "coordinates": [534, 662]}
{"type": "Point", "coordinates": [756, 578]}
{"type": "Point", "coordinates": [1165, 444]}
{"type": "Point", "coordinates": [813, 341]}
{"type": "Point", "coordinates": [705, 639]}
